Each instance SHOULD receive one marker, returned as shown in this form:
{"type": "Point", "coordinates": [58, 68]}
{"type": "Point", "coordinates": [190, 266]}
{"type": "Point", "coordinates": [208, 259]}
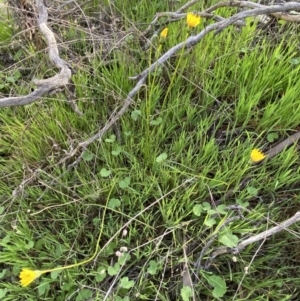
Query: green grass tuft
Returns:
{"type": "Point", "coordinates": [183, 144]}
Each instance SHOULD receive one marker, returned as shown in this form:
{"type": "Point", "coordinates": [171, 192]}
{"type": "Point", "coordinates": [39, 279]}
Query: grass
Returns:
{"type": "Point", "coordinates": [152, 183]}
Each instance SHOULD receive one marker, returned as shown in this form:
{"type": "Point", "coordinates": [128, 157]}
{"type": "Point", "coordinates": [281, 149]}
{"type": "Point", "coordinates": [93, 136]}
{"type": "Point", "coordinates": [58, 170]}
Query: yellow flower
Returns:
{"type": "Point", "coordinates": [164, 33]}
{"type": "Point", "coordinates": [257, 155]}
{"type": "Point", "coordinates": [27, 276]}
{"type": "Point", "coordinates": [192, 20]}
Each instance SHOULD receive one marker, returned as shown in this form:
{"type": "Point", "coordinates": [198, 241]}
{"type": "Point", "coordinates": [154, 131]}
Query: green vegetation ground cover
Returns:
{"type": "Point", "coordinates": [184, 143]}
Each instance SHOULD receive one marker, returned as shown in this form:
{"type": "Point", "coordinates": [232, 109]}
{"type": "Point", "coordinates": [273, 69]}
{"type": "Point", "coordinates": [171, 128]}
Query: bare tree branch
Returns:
{"type": "Point", "coordinates": [244, 243]}
{"type": "Point", "coordinates": [248, 4]}
{"type": "Point", "coordinates": [282, 145]}
{"type": "Point", "coordinates": [209, 13]}
{"type": "Point", "coordinates": [44, 86]}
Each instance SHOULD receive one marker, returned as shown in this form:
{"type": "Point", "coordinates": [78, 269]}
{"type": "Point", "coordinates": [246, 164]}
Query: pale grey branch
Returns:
{"type": "Point", "coordinates": [44, 86]}
{"type": "Point", "coordinates": [267, 233]}
{"type": "Point", "coordinates": [255, 238]}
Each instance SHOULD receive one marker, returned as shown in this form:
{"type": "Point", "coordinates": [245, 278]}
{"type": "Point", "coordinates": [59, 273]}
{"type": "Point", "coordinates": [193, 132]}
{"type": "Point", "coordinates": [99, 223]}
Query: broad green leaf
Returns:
{"type": "Point", "coordinates": [272, 137]}
{"type": "Point", "coordinates": [242, 204]}
{"type": "Point", "coordinates": [43, 287]}
{"type": "Point", "coordinates": [221, 209]}
{"type": "Point", "coordinates": [114, 203]}
{"type": "Point", "coordinates": [218, 284]}
{"type": "Point", "coordinates": [87, 156]}
{"type": "Point", "coordinates": [2, 209]}
{"type": "Point", "coordinates": [110, 248]}
{"type": "Point", "coordinates": [186, 293]}
{"type": "Point", "coordinates": [2, 274]}
{"type": "Point", "coordinates": [10, 79]}
{"type": "Point", "coordinates": [84, 294]}
{"type": "Point", "coordinates": [209, 222]}
{"type": "Point", "coordinates": [55, 274]}
{"type": "Point", "coordinates": [17, 75]}
{"type": "Point", "coordinates": [59, 249]}
{"type": "Point", "coordinates": [156, 121]}
{"type": "Point", "coordinates": [206, 206]}
{"type": "Point", "coordinates": [3, 292]}
{"type": "Point", "coordinates": [135, 114]}
{"type": "Point", "coordinates": [96, 221]}
{"type": "Point", "coordinates": [5, 240]}
{"type": "Point", "coordinates": [252, 190]}
{"type": "Point", "coordinates": [29, 245]}
{"type": "Point", "coordinates": [67, 286]}
{"type": "Point", "coordinates": [117, 151]}
{"type": "Point", "coordinates": [126, 283]}
{"type": "Point", "coordinates": [162, 157]}
{"type": "Point", "coordinates": [105, 173]}
{"type": "Point", "coordinates": [295, 61]}
{"type": "Point", "coordinates": [124, 258]}
{"type": "Point", "coordinates": [124, 183]}
{"type": "Point", "coordinates": [111, 139]}
{"type": "Point", "coordinates": [211, 211]}
{"type": "Point", "coordinates": [112, 271]}
{"type": "Point", "coordinates": [153, 266]}
{"type": "Point", "coordinates": [228, 239]}
{"type": "Point", "coordinates": [198, 209]}
{"type": "Point", "coordinates": [102, 273]}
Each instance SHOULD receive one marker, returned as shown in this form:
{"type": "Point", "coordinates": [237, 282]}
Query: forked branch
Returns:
{"type": "Point", "coordinates": [49, 85]}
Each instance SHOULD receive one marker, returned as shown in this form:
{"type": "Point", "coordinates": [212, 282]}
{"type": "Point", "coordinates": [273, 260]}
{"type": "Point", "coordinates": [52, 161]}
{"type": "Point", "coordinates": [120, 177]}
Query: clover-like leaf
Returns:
{"type": "Point", "coordinates": [218, 284]}
{"type": "Point", "coordinates": [87, 156]}
{"type": "Point", "coordinates": [105, 173]}
{"type": "Point", "coordinates": [162, 157]}
{"type": "Point", "coordinates": [126, 283]}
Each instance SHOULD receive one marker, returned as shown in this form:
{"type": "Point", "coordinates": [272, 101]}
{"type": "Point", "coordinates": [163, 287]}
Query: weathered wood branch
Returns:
{"type": "Point", "coordinates": [256, 238]}
{"type": "Point", "coordinates": [210, 14]}
{"type": "Point", "coordinates": [44, 86]}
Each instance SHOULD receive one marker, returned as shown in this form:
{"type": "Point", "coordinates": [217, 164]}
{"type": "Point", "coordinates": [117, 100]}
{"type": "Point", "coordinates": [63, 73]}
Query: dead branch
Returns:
{"type": "Point", "coordinates": [244, 243]}
{"type": "Point", "coordinates": [252, 5]}
{"type": "Point", "coordinates": [209, 13]}
{"type": "Point", "coordinates": [282, 145]}
{"type": "Point", "coordinates": [218, 27]}
{"type": "Point", "coordinates": [44, 86]}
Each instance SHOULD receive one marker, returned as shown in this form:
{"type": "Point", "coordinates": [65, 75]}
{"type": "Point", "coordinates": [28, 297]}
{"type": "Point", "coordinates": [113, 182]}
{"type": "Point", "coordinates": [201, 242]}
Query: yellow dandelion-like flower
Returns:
{"type": "Point", "coordinates": [27, 276]}
{"type": "Point", "coordinates": [257, 156]}
{"type": "Point", "coordinates": [164, 33]}
{"type": "Point", "coordinates": [192, 20]}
